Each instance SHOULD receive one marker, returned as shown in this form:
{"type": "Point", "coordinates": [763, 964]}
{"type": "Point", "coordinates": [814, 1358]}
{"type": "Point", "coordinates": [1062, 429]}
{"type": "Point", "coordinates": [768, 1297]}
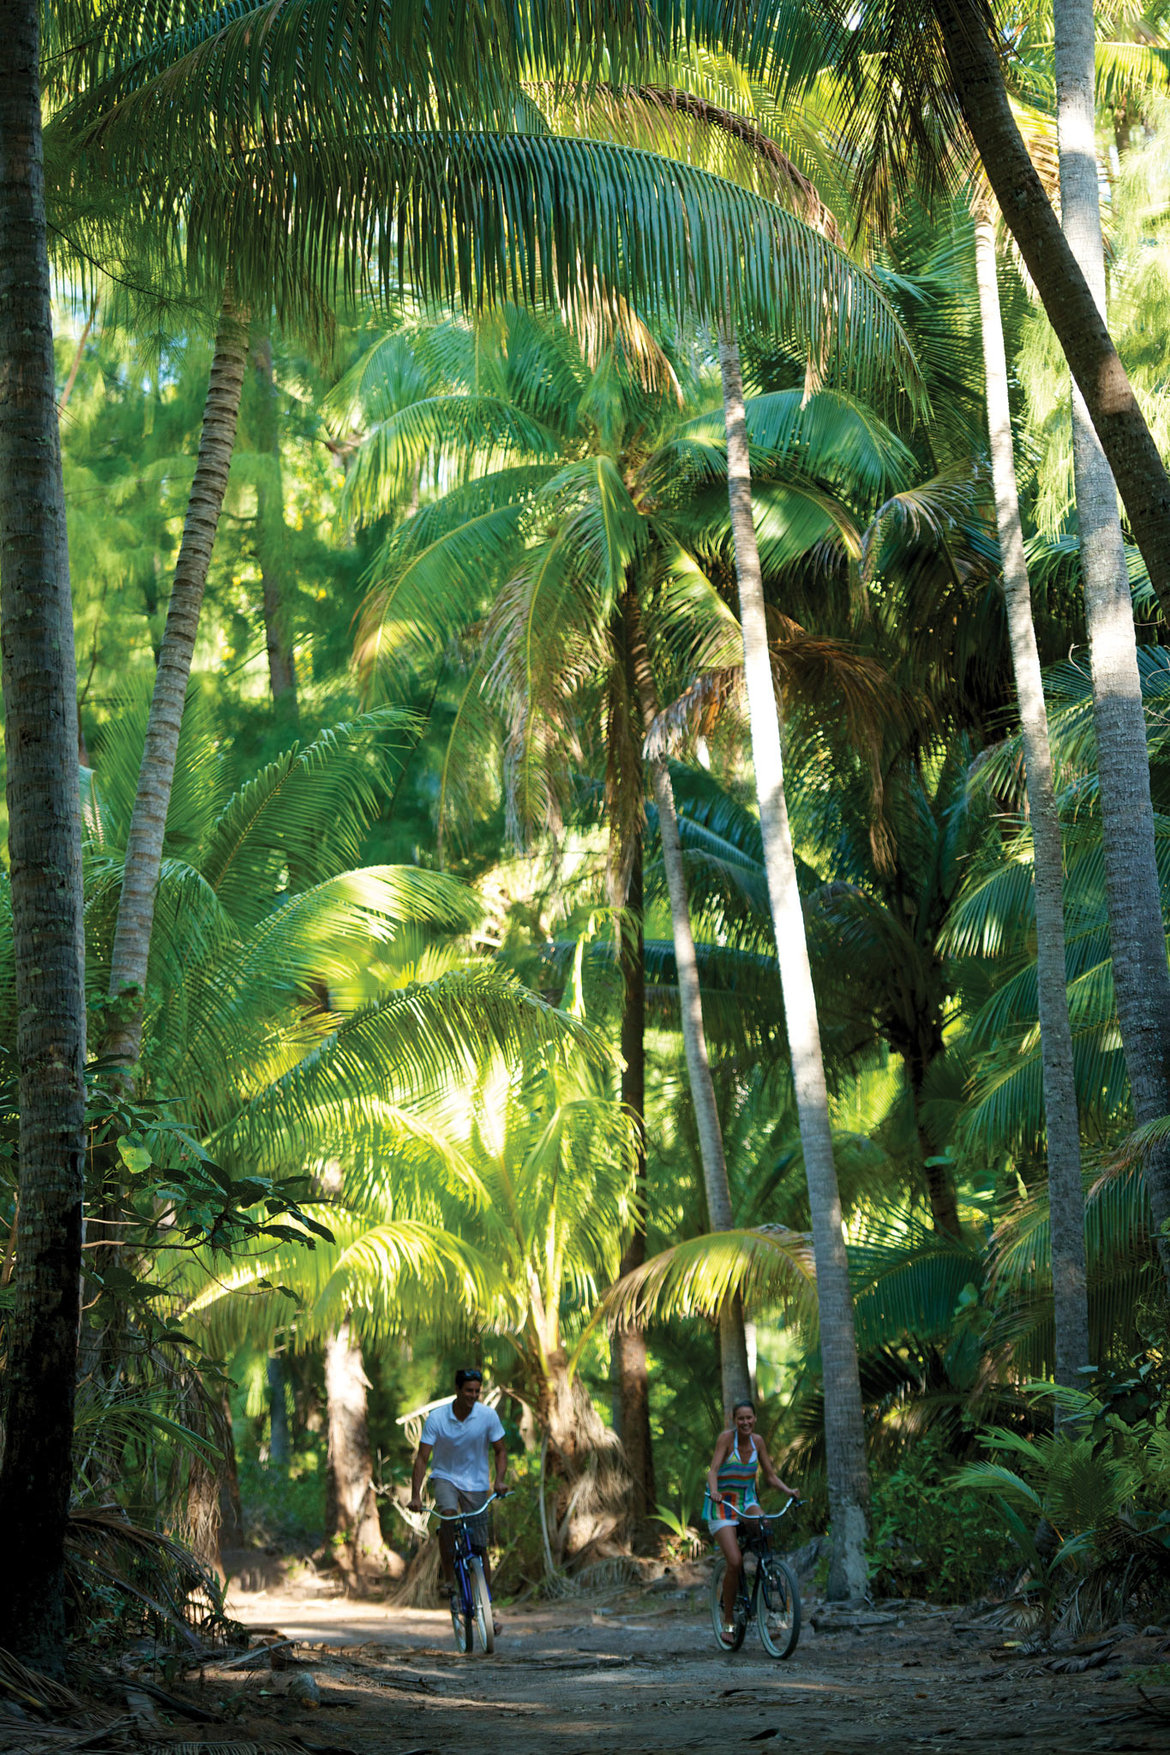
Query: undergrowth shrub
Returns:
{"type": "Point", "coordinates": [931, 1541]}
{"type": "Point", "coordinates": [285, 1510]}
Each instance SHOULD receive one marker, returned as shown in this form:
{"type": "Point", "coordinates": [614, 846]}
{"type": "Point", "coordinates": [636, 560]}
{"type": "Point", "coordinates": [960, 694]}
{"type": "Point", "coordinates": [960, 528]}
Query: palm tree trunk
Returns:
{"type": "Point", "coordinates": [144, 847]}
{"type": "Point", "coordinates": [736, 1378]}
{"type": "Point", "coordinates": [848, 1479]}
{"type": "Point", "coordinates": [44, 844]}
{"type": "Point", "coordinates": [351, 1507]}
{"type": "Point", "coordinates": [1061, 276]}
{"type": "Point", "coordinates": [279, 1441]}
{"type": "Point", "coordinates": [272, 535]}
{"type": "Point", "coordinates": [1141, 978]}
{"type": "Point", "coordinates": [1065, 1187]}
{"type": "Point", "coordinates": [629, 1344]}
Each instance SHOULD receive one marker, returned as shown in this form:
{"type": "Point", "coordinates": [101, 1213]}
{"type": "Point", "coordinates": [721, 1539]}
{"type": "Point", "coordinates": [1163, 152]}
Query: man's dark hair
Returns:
{"type": "Point", "coordinates": [473, 1374]}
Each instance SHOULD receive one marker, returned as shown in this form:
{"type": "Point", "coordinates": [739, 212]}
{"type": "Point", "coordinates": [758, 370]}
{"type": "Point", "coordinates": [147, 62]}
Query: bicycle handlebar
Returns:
{"type": "Point", "coordinates": [455, 1516]}
{"type": "Point", "coordinates": [762, 1516]}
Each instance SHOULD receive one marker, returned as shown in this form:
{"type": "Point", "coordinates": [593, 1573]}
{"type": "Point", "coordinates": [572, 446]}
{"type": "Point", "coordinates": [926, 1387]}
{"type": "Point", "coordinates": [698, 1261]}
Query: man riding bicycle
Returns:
{"type": "Point", "coordinates": [456, 1439]}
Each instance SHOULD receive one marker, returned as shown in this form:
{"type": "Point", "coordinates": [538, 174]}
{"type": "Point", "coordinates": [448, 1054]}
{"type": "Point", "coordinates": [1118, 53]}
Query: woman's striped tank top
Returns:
{"type": "Point", "coordinates": [737, 1482]}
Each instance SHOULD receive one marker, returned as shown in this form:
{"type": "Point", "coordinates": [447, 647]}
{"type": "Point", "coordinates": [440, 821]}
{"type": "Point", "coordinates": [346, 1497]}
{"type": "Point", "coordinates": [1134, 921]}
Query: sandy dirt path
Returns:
{"type": "Point", "coordinates": [639, 1673]}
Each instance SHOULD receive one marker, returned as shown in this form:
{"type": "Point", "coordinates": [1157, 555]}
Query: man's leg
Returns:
{"type": "Point", "coordinates": [446, 1501]}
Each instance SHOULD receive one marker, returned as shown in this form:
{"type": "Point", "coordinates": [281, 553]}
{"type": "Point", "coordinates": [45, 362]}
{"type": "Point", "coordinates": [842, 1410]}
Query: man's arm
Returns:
{"type": "Point", "coordinates": [421, 1459]}
{"type": "Point", "coordinates": [500, 1452]}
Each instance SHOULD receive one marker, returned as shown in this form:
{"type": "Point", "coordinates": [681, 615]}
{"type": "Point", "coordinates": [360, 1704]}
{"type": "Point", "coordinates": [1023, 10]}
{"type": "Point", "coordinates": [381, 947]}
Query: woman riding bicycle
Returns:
{"type": "Point", "coordinates": [731, 1493]}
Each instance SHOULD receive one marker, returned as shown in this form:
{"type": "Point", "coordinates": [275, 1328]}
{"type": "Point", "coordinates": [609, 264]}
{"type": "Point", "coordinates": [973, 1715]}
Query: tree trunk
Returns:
{"type": "Point", "coordinates": [352, 1508]}
{"type": "Point", "coordinates": [231, 1511]}
{"type": "Point", "coordinates": [1058, 272]}
{"type": "Point", "coordinates": [1065, 1187]}
{"type": "Point", "coordinates": [1141, 978]}
{"type": "Point", "coordinates": [629, 1344]}
{"type": "Point", "coordinates": [940, 1184]}
{"type": "Point", "coordinates": [144, 847]}
{"type": "Point", "coordinates": [590, 1509]}
{"type": "Point", "coordinates": [279, 1448]}
{"type": "Point", "coordinates": [272, 534]}
{"type": "Point", "coordinates": [44, 844]}
{"type": "Point", "coordinates": [736, 1380]}
{"type": "Point", "coordinates": [848, 1479]}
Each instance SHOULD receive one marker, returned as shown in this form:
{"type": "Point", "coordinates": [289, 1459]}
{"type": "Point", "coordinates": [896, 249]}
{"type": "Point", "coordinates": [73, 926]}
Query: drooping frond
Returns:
{"type": "Point", "coordinates": [479, 218]}
{"type": "Point", "coordinates": [768, 1265]}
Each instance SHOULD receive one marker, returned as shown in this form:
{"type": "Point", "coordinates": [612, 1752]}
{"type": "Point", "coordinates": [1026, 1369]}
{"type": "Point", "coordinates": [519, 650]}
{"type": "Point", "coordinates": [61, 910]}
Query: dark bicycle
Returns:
{"type": "Point", "coordinates": [768, 1592]}
{"type": "Point", "coordinates": [471, 1600]}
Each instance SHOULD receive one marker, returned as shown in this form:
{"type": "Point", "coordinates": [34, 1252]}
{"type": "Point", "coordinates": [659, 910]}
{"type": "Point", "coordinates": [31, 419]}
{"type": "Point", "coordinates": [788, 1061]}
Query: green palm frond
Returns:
{"type": "Point", "coordinates": [384, 1275]}
{"type": "Point", "coordinates": [470, 434]}
{"type": "Point", "coordinates": [909, 1283]}
{"type": "Point", "coordinates": [409, 1042]}
{"type": "Point", "coordinates": [436, 571]}
{"type": "Point", "coordinates": [363, 212]}
{"type": "Point", "coordinates": [306, 811]}
{"type": "Point", "coordinates": [769, 1265]}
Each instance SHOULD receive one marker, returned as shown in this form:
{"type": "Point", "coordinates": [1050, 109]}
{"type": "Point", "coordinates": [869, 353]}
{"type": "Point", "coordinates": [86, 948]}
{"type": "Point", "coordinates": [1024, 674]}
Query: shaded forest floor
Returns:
{"type": "Point", "coordinates": [639, 1672]}
{"type": "Point", "coordinates": [634, 1672]}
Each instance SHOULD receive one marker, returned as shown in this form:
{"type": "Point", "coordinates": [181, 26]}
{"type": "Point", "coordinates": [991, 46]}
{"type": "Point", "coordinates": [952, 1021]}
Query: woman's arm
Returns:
{"type": "Point", "coordinates": [770, 1474]}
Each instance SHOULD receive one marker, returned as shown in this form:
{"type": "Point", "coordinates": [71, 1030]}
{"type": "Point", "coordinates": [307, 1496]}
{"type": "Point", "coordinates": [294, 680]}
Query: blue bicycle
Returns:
{"type": "Point", "coordinates": [471, 1599]}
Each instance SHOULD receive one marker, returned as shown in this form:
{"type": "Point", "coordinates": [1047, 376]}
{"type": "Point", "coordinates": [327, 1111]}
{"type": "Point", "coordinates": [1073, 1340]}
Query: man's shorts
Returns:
{"type": "Point", "coordinates": [449, 1498]}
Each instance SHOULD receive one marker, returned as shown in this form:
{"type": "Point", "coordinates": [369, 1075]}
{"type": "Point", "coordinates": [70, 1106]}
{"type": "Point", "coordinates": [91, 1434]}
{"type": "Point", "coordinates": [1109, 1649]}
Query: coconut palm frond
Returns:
{"type": "Point", "coordinates": [768, 1265]}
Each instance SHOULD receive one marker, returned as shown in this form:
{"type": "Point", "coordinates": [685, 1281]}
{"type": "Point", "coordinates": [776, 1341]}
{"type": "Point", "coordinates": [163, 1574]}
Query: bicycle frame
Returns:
{"type": "Point", "coordinates": [766, 1593]}
{"type": "Point", "coordinates": [462, 1556]}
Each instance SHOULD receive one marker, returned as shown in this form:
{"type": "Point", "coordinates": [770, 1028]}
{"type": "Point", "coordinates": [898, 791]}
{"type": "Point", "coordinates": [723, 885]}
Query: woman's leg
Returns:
{"type": "Point", "coordinates": [729, 1543]}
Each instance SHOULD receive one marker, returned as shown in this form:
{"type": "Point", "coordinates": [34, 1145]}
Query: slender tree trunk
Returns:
{"type": "Point", "coordinates": [272, 534]}
{"type": "Point", "coordinates": [848, 1479]}
{"type": "Point", "coordinates": [144, 847]}
{"type": "Point", "coordinates": [279, 1447]}
{"type": "Point", "coordinates": [732, 1342]}
{"type": "Point", "coordinates": [940, 1185]}
{"type": "Point", "coordinates": [1061, 277]}
{"type": "Point", "coordinates": [629, 1344]}
{"type": "Point", "coordinates": [1141, 978]}
{"type": "Point", "coordinates": [44, 845]}
{"type": "Point", "coordinates": [1065, 1187]}
{"type": "Point", "coordinates": [231, 1511]}
{"type": "Point", "coordinates": [352, 1508]}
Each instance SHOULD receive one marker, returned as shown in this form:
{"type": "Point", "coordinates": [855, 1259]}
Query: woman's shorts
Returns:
{"type": "Point", "coordinates": [715, 1524]}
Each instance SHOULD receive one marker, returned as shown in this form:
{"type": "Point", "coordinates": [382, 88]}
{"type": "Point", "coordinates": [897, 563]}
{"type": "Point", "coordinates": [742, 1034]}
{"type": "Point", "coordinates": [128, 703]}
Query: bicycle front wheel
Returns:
{"type": "Point", "coordinates": [481, 1600]}
{"type": "Point", "coordinates": [732, 1641]}
{"type": "Point", "coordinates": [777, 1608]}
{"type": "Point", "coordinates": [461, 1615]}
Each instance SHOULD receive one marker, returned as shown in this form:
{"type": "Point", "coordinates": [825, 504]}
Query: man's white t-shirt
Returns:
{"type": "Point", "coordinates": [459, 1448]}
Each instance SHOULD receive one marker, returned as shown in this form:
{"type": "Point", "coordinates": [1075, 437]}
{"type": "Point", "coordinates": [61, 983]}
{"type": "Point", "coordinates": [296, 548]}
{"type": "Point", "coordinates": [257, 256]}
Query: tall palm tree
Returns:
{"type": "Point", "coordinates": [844, 1419]}
{"type": "Point", "coordinates": [1140, 970]}
{"type": "Point", "coordinates": [508, 1216]}
{"type": "Point", "coordinates": [297, 1020]}
{"type": "Point", "coordinates": [548, 401]}
{"type": "Point", "coordinates": [44, 838]}
{"type": "Point", "coordinates": [925, 71]}
{"type": "Point", "coordinates": [1066, 1195]}
{"type": "Point", "coordinates": [304, 209]}
{"type": "Point", "coordinates": [605, 512]}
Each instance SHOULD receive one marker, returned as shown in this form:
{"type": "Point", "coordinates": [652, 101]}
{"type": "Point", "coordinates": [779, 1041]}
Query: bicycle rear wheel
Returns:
{"type": "Point", "coordinates": [461, 1615]}
{"type": "Point", "coordinates": [481, 1598]}
{"type": "Point", "coordinates": [777, 1608]}
{"type": "Point", "coordinates": [740, 1621]}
